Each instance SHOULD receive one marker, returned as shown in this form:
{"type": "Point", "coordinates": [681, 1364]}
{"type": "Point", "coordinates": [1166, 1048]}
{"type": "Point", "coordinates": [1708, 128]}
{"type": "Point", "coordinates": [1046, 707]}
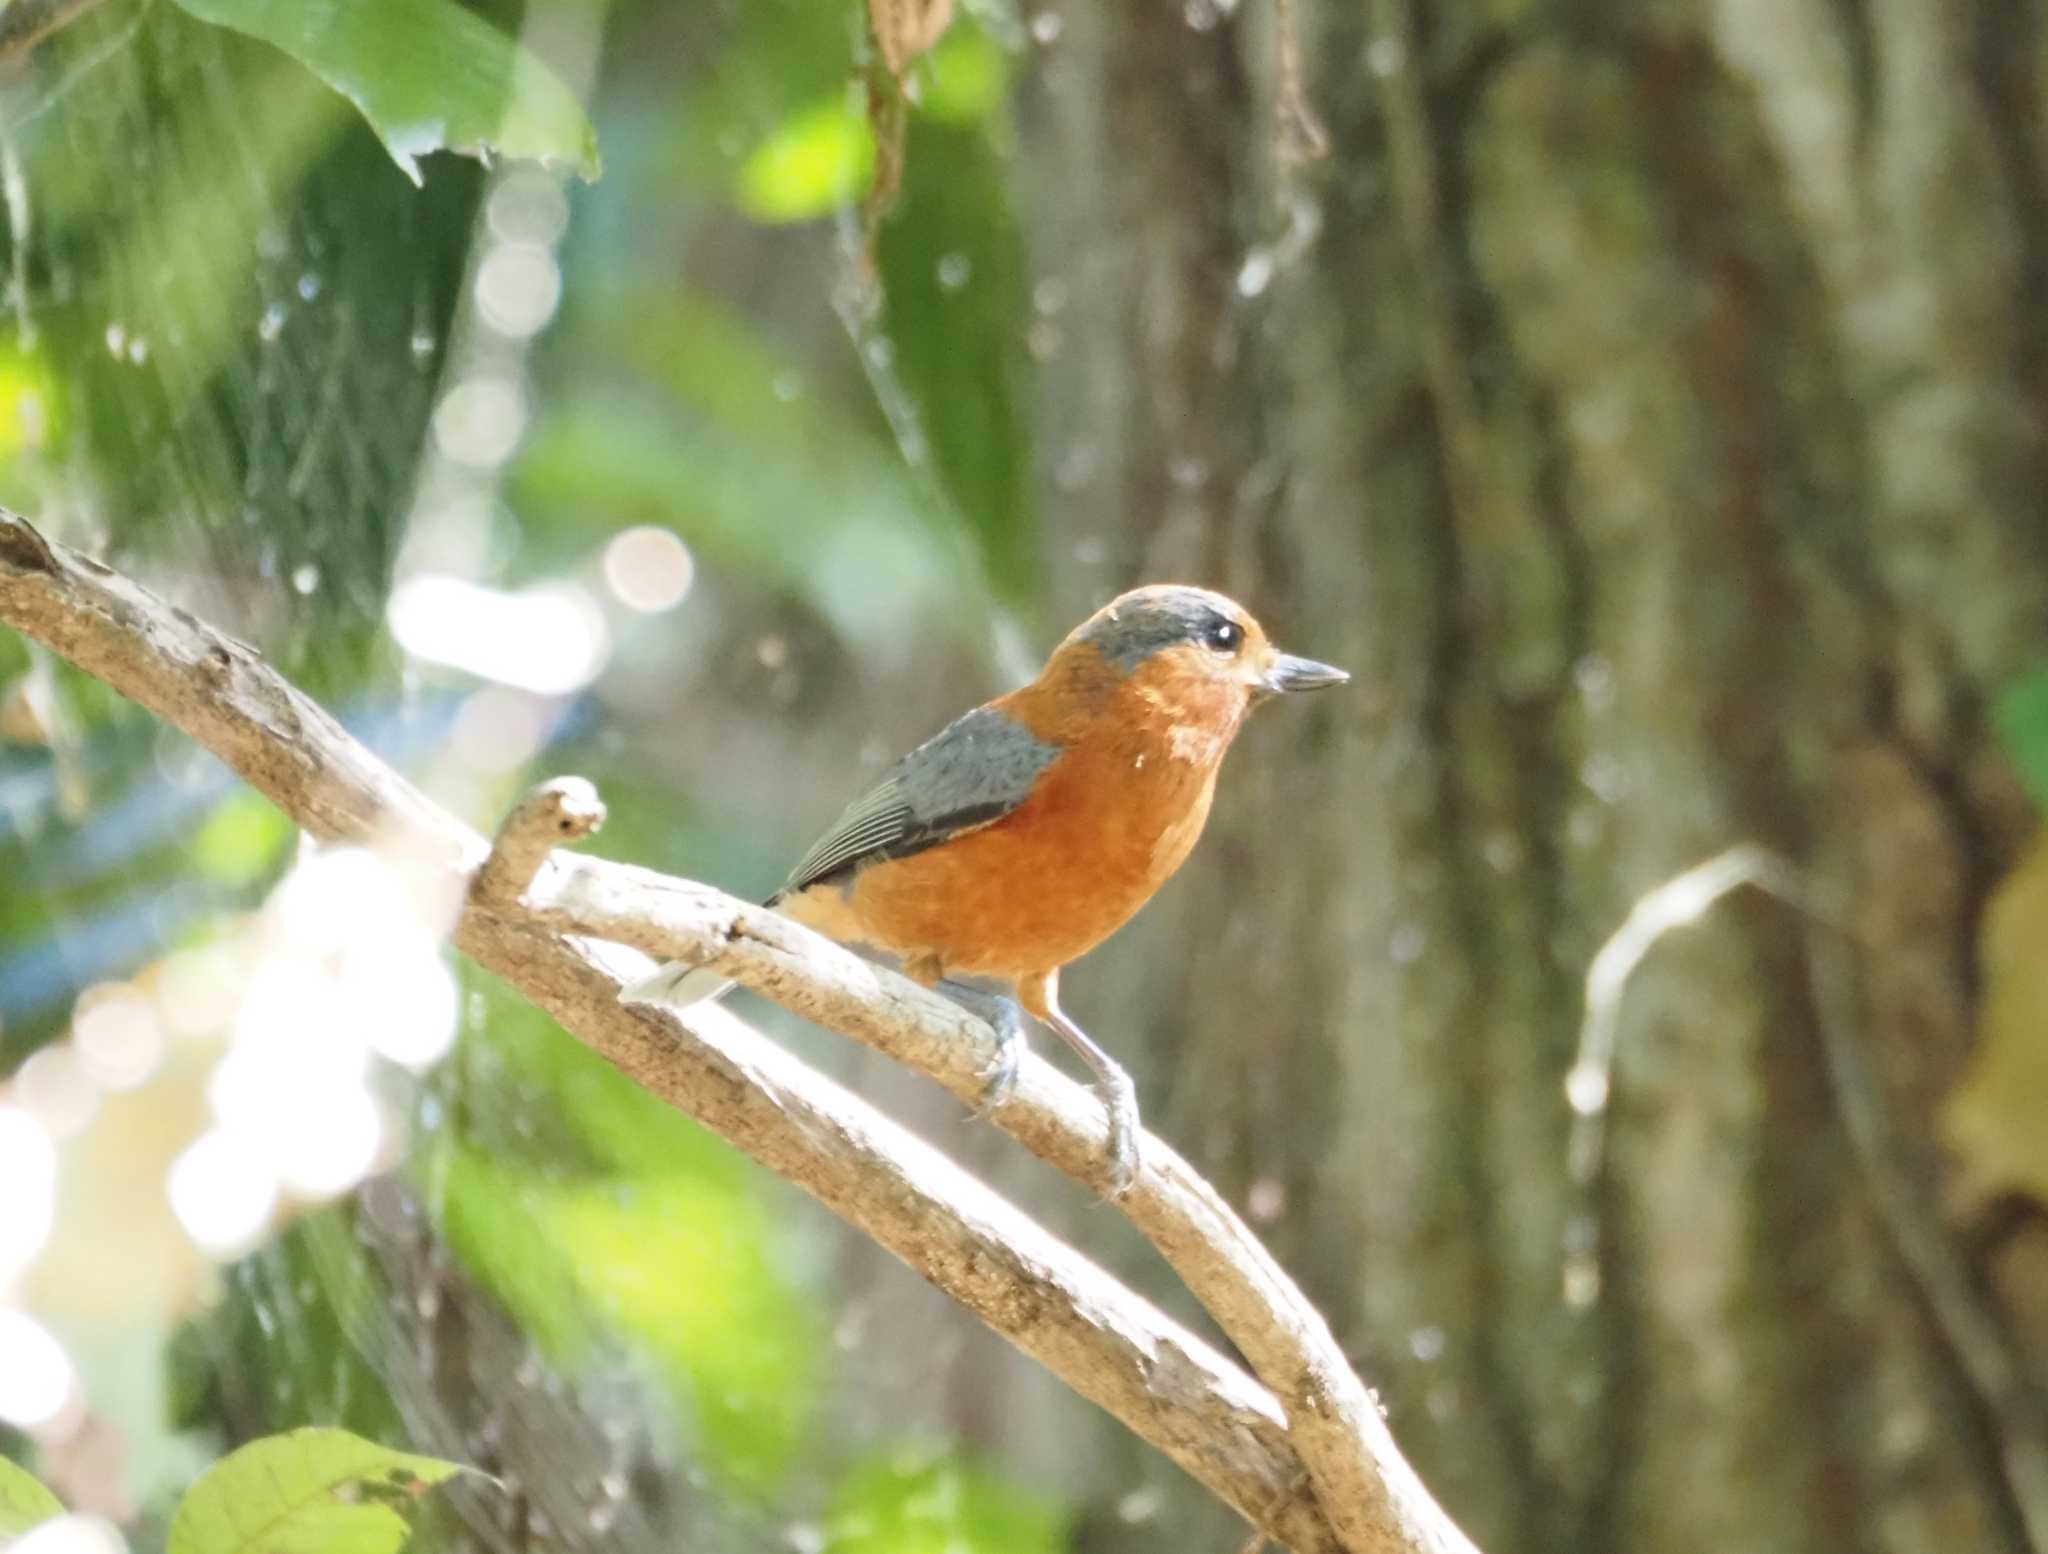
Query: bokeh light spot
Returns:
{"type": "Point", "coordinates": [409, 1002]}
{"type": "Point", "coordinates": [334, 1146]}
{"type": "Point", "coordinates": [648, 569]}
{"type": "Point", "coordinates": [54, 1088]}
{"type": "Point", "coordinates": [28, 1191]}
{"type": "Point", "coordinates": [480, 421]}
{"type": "Point", "coordinates": [36, 1375]}
{"type": "Point", "coordinates": [197, 988]}
{"type": "Point", "coordinates": [72, 1535]}
{"type": "Point", "coordinates": [518, 287]}
{"type": "Point", "coordinates": [118, 1038]}
{"type": "Point", "coordinates": [223, 1192]}
{"type": "Point", "coordinates": [548, 640]}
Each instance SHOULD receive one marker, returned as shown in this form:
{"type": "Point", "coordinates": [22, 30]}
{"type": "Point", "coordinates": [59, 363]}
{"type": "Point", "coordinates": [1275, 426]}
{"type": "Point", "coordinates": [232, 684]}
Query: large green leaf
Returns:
{"type": "Point", "coordinates": [290, 1494]}
{"type": "Point", "coordinates": [24, 1503]}
{"type": "Point", "coordinates": [952, 263]}
{"type": "Point", "coordinates": [428, 75]}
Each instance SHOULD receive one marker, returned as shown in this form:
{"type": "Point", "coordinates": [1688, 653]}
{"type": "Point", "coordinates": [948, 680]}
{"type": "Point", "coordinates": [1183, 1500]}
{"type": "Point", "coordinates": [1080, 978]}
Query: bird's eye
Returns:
{"type": "Point", "coordinates": [1224, 636]}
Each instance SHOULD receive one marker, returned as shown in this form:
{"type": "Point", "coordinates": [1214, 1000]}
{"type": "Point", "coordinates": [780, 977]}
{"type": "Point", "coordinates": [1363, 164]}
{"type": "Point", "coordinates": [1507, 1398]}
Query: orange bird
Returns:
{"type": "Point", "coordinates": [1029, 830]}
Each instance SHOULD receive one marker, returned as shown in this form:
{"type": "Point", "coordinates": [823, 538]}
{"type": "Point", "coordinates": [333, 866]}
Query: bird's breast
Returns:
{"type": "Point", "coordinates": [1104, 827]}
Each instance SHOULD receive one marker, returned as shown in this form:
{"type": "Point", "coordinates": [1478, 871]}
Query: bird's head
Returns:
{"type": "Point", "coordinates": [1187, 647]}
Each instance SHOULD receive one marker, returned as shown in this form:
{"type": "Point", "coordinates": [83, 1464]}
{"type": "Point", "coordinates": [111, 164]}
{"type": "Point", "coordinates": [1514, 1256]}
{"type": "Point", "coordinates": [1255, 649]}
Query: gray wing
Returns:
{"type": "Point", "coordinates": [975, 770]}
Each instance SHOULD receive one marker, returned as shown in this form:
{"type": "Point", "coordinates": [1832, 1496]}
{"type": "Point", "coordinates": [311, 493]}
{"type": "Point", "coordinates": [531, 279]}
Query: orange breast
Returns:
{"type": "Point", "coordinates": [1105, 827]}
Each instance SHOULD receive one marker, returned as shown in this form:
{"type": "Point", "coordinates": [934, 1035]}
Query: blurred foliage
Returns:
{"type": "Point", "coordinates": [234, 315]}
{"type": "Point", "coordinates": [427, 74]}
{"type": "Point", "coordinates": [927, 1503]}
{"type": "Point", "coordinates": [687, 413]}
{"type": "Point", "coordinates": [236, 301]}
{"type": "Point", "coordinates": [821, 160]}
{"type": "Point", "coordinates": [611, 1217]}
{"type": "Point", "coordinates": [2021, 714]}
{"type": "Point", "coordinates": [1993, 1116]}
{"type": "Point", "coordinates": [241, 842]}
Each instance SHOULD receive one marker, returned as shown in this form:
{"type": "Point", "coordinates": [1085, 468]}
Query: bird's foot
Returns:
{"type": "Point", "coordinates": [999, 1073]}
{"type": "Point", "coordinates": [1121, 1101]}
{"type": "Point", "coordinates": [1002, 1015]}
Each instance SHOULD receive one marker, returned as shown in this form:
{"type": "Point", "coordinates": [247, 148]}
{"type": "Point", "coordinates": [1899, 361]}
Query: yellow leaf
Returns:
{"type": "Point", "coordinates": [1996, 1117]}
{"type": "Point", "coordinates": [818, 161]}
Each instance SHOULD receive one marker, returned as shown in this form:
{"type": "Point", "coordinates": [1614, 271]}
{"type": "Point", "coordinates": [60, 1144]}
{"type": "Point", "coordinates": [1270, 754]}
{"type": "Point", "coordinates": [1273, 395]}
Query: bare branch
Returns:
{"type": "Point", "coordinates": [1339, 1432]}
{"type": "Point", "coordinates": [1313, 1467]}
{"type": "Point", "coordinates": [562, 809]}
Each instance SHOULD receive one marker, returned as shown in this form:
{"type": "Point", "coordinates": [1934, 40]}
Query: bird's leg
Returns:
{"type": "Point", "coordinates": [1006, 1019]}
{"type": "Point", "coordinates": [1119, 1096]}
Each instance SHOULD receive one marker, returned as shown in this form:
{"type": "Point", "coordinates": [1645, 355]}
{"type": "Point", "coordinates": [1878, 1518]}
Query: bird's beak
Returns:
{"type": "Point", "coordinates": [1288, 673]}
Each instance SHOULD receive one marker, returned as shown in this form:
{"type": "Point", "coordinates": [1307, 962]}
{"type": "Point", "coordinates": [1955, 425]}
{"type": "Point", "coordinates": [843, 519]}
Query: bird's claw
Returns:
{"type": "Point", "coordinates": [999, 1074]}
{"type": "Point", "coordinates": [1122, 1105]}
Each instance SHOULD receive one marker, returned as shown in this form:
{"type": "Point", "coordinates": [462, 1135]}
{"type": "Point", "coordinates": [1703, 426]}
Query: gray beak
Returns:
{"type": "Point", "coordinates": [1289, 673]}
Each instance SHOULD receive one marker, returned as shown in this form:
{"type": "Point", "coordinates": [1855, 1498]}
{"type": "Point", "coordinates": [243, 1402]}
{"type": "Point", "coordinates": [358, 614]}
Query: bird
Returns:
{"type": "Point", "coordinates": [1027, 831]}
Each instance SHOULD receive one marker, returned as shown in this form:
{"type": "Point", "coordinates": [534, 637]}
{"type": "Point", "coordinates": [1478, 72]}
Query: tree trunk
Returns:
{"type": "Point", "coordinates": [1646, 403]}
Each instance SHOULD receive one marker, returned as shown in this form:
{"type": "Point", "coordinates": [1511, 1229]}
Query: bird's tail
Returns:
{"type": "Point", "coordinates": [678, 985]}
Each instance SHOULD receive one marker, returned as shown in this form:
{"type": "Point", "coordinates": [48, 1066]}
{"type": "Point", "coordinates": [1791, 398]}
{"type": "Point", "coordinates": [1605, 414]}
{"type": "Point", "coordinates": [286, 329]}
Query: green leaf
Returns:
{"type": "Point", "coordinates": [287, 1494]}
{"type": "Point", "coordinates": [817, 161]}
{"type": "Point", "coordinates": [428, 75]}
{"type": "Point", "coordinates": [24, 1503]}
{"type": "Point", "coordinates": [2021, 713]}
{"type": "Point", "coordinates": [952, 263]}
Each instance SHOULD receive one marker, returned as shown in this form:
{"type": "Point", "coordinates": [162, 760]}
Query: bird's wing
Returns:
{"type": "Point", "coordinates": [970, 774]}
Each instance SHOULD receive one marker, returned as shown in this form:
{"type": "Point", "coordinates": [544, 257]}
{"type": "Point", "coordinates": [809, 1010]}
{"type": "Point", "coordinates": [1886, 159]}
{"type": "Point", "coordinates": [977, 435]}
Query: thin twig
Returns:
{"type": "Point", "coordinates": [25, 23]}
{"type": "Point", "coordinates": [1310, 1463]}
{"type": "Point", "coordinates": [1302, 135]}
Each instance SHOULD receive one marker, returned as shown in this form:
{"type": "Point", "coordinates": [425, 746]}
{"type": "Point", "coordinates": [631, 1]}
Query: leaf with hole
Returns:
{"type": "Point", "coordinates": [313, 1491]}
